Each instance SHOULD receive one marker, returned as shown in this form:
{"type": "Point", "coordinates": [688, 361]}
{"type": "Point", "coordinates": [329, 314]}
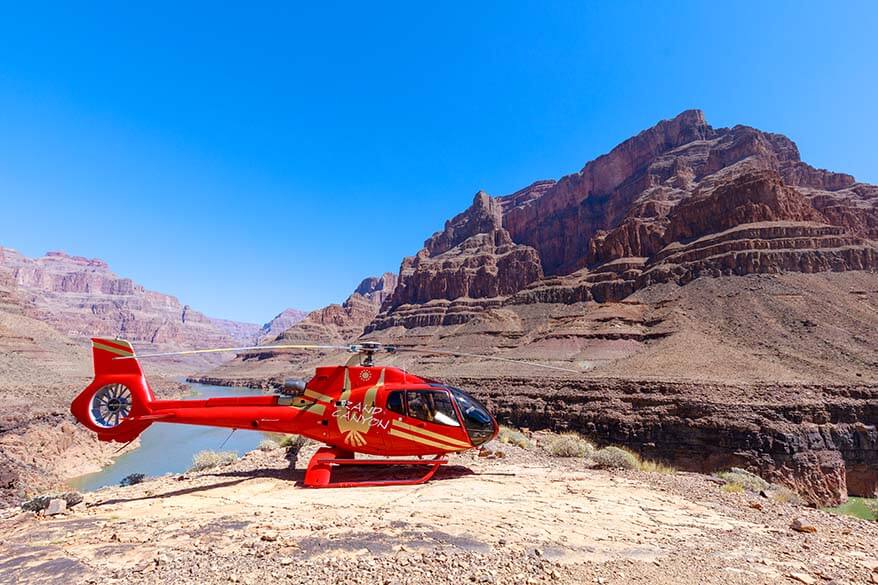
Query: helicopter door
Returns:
{"type": "Point", "coordinates": [429, 420]}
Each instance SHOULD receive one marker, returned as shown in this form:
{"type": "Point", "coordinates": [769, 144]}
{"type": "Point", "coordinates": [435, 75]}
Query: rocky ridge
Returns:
{"type": "Point", "coordinates": [334, 324]}
{"type": "Point", "coordinates": [679, 201]}
{"type": "Point", "coordinates": [82, 297]}
{"type": "Point", "coordinates": [345, 322]}
{"type": "Point", "coordinates": [283, 321]}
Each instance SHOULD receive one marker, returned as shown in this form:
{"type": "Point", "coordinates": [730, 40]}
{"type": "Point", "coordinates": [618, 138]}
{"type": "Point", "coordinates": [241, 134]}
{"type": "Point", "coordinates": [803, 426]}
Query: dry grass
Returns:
{"type": "Point", "coordinates": [210, 459]}
{"type": "Point", "coordinates": [654, 466]}
{"type": "Point", "coordinates": [749, 481]}
{"type": "Point", "coordinates": [568, 445]}
{"type": "Point", "coordinates": [733, 488]}
{"type": "Point", "coordinates": [512, 436]}
{"type": "Point", "coordinates": [785, 495]}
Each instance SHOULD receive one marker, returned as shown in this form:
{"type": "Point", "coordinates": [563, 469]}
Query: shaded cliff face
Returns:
{"type": "Point", "coordinates": [807, 437]}
{"type": "Point", "coordinates": [676, 202]}
{"type": "Point", "coordinates": [82, 297]}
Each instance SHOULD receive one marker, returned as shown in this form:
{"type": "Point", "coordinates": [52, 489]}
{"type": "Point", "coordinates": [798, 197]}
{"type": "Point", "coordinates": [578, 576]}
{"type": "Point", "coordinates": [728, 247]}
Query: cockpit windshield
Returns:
{"type": "Point", "coordinates": [479, 424]}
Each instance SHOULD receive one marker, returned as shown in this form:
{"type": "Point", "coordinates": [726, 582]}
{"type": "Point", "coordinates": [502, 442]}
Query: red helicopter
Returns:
{"type": "Point", "coordinates": [355, 408]}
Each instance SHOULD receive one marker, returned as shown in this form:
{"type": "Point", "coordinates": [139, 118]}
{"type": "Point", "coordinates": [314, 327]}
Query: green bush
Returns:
{"type": "Point", "coordinates": [568, 445]}
{"type": "Point", "coordinates": [210, 459]}
{"type": "Point", "coordinates": [511, 436]}
{"type": "Point", "coordinates": [748, 481]}
{"type": "Point", "coordinates": [615, 457]}
{"type": "Point", "coordinates": [293, 444]}
{"type": "Point", "coordinates": [133, 479]}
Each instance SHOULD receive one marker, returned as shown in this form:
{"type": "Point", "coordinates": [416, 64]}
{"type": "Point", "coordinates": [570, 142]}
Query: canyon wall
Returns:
{"type": "Point", "coordinates": [678, 201]}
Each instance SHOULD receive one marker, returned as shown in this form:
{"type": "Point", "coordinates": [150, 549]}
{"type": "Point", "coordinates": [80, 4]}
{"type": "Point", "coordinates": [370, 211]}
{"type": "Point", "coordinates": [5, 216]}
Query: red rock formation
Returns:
{"type": "Point", "coordinates": [679, 181]}
{"type": "Point", "coordinates": [748, 198]}
{"type": "Point", "coordinates": [81, 297]}
{"type": "Point", "coordinates": [283, 321]}
{"type": "Point", "coordinates": [345, 322]}
{"type": "Point", "coordinates": [472, 258]}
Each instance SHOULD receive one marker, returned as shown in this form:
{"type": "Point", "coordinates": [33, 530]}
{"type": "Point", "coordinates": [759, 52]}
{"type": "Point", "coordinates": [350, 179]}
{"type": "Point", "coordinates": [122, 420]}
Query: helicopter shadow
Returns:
{"type": "Point", "coordinates": [354, 473]}
{"type": "Point", "coordinates": [348, 473]}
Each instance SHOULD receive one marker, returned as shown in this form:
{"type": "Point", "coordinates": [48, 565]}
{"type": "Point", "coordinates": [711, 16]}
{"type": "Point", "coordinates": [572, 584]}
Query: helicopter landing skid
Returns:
{"type": "Point", "coordinates": [318, 474]}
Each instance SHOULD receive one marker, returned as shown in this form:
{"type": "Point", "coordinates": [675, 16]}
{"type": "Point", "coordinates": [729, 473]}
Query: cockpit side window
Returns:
{"type": "Point", "coordinates": [431, 406]}
{"type": "Point", "coordinates": [396, 402]}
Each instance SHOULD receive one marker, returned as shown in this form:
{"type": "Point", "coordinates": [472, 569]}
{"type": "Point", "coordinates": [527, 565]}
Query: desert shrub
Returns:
{"type": "Point", "coordinates": [748, 481]}
{"type": "Point", "coordinates": [293, 444]}
{"type": "Point", "coordinates": [785, 495]}
{"type": "Point", "coordinates": [133, 479]}
{"type": "Point", "coordinates": [511, 436]}
{"type": "Point", "coordinates": [210, 459]}
{"type": "Point", "coordinates": [568, 445]}
{"type": "Point", "coordinates": [293, 441]}
{"type": "Point", "coordinates": [615, 457]}
{"type": "Point", "coordinates": [733, 487]}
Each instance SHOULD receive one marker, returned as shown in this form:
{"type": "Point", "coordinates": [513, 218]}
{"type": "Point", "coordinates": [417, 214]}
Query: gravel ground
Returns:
{"type": "Point", "coordinates": [520, 518]}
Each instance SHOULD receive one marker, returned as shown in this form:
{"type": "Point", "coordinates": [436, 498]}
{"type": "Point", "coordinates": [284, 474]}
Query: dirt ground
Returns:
{"type": "Point", "coordinates": [524, 518]}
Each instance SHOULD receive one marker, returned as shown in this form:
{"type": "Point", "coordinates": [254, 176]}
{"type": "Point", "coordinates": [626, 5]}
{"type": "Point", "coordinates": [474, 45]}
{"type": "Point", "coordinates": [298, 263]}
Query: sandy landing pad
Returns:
{"type": "Point", "coordinates": [502, 521]}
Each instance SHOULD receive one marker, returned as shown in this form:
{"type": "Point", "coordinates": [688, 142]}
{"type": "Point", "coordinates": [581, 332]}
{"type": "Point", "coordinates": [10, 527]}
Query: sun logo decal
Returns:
{"type": "Point", "coordinates": [365, 375]}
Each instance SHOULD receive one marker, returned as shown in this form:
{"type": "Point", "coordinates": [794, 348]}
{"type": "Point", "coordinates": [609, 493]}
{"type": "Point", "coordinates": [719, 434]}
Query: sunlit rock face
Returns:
{"type": "Point", "coordinates": [679, 201]}
{"type": "Point", "coordinates": [82, 297]}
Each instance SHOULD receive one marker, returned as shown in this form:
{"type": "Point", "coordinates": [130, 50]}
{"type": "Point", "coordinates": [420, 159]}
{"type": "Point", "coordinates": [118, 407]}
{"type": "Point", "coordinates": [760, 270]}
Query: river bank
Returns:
{"type": "Point", "coordinates": [169, 448]}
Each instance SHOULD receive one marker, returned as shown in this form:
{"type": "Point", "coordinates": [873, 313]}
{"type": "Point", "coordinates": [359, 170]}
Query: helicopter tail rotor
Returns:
{"type": "Point", "coordinates": [116, 405]}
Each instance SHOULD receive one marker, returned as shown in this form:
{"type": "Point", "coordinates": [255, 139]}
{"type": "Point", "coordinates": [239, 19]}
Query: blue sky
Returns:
{"type": "Point", "coordinates": [271, 155]}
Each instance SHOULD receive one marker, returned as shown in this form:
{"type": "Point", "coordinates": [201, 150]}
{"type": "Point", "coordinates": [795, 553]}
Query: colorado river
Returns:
{"type": "Point", "coordinates": [168, 448]}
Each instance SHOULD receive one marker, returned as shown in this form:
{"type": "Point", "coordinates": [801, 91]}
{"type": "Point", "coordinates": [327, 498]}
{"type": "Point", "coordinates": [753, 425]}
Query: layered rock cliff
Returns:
{"type": "Point", "coordinates": [676, 202]}
{"type": "Point", "coordinates": [345, 322]}
{"type": "Point", "coordinates": [283, 321]}
{"type": "Point", "coordinates": [335, 324]}
{"type": "Point", "coordinates": [82, 297]}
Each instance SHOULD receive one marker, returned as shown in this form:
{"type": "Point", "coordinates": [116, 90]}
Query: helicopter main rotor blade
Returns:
{"type": "Point", "coordinates": [237, 349]}
{"type": "Point", "coordinates": [486, 357]}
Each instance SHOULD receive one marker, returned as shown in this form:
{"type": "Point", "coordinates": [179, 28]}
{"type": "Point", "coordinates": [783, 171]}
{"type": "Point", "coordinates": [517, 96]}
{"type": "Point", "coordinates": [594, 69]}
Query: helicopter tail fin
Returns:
{"type": "Point", "coordinates": [116, 405]}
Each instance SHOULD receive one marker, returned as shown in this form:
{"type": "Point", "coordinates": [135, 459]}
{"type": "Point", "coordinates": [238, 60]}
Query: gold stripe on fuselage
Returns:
{"type": "Point", "coordinates": [431, 434]}
{"type": "Point", "coordinates": [308, 406]}
{"type": "Point", "coordinates": [422, 440]}
{"type": "Point", "coordinates": [317, 396]}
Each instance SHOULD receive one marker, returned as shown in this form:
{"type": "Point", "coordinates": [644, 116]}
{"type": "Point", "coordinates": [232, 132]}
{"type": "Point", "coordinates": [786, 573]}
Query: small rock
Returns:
{"type": "Point", "coordinates": [56, 506]}
{"type": "Point", "coordinates": [756, 505]}
{"type": "Point", "coordinates": [803, 578]}
{"type": "Point", "coordinates": [269, 537]}
{"type": "Point", "coordinates": [802, 525]}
